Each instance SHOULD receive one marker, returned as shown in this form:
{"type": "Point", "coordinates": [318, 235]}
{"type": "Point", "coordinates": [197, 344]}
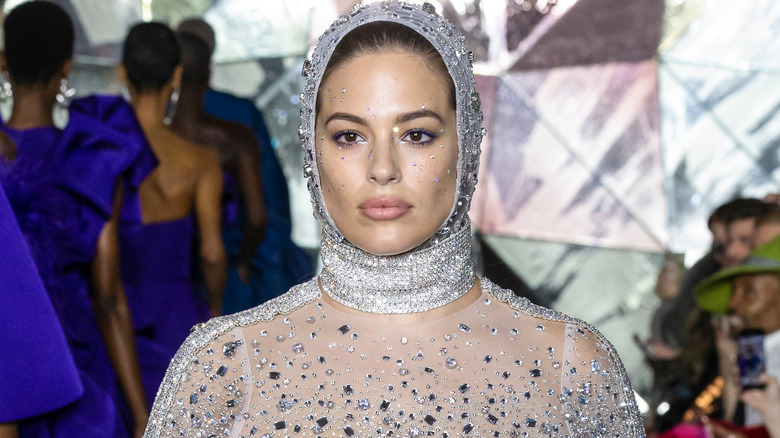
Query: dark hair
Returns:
{"type": "Point", "coordinates": [770, 216]}
{"type": "Point", "coordinates": [151, 54]}
{"type": "Point", "coordinates": [383, 36]}
{"type": "Point", "coordinates": [38, 41]}
{"type": "Point", "coordinates": [195, 60]}
{"type": "Point", "coordinates": [736, 209]}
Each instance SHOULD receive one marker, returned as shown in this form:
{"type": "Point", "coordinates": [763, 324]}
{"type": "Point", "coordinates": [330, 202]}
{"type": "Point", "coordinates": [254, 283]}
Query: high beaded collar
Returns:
{"type": "Point", "coordinates": [416, 281]}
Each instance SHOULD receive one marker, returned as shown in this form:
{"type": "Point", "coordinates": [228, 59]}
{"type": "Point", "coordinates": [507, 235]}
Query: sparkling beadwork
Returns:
{"type": "Point", "coordinates": [442, 35]}
{"type": "Point", "coordinates": [406, 283]}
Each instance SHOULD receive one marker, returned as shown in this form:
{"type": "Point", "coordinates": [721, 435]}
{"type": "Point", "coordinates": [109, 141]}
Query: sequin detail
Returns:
{"type": "Point", "coordinates": [411, 282]}
{"type": "Point", "coordinates": [324, 390]}
{"type": "Point", "coordinates": [451, 45]}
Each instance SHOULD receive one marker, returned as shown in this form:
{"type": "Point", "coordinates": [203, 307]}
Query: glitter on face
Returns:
{"type": "Point", "coordinates": [466, 391]}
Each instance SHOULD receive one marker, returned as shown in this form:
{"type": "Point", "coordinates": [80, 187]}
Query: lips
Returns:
{"type": "Point", "coordinates": [384, 208]}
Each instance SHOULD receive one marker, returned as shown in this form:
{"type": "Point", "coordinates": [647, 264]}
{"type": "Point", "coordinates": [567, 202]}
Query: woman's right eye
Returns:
{"type": "Point", "coordinates": [347, 138]}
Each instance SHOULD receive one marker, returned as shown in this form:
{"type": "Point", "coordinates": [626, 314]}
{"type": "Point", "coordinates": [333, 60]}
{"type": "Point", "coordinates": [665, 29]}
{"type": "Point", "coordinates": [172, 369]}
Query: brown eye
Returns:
{"type": "Point", "coordinates": [350, 137]}
{"type": "Point", "coordinates": [418, 137]}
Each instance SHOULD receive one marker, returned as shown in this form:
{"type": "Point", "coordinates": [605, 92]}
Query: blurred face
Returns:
{"type": "Point", "coordinates": [720, 239]}
{"type": "Point", "coordinates": [387, 151]}
{"type": "Point", "coordinates": [740, 241]}
{"type": "Point", "coordinates": [755, 300]}
{"type": "Point", "coordinates": [766, 232]}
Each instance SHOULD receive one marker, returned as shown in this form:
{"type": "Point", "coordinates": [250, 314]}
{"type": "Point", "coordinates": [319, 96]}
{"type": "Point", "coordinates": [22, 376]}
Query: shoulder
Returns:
{"type": "Point", "coordinates": [224, 335]}
{"type": "Point", "coordinates": [205, 334]}
{"type": "Point", "coordinates": [202, 157]}
{"type": "Point", "coordinates": [571, 333]}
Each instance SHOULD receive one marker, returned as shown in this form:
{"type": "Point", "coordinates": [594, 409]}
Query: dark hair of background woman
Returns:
{"type": "Point", "coordinates": [150, 56]}
{"type": "Point", "coordinates": [38, 41]}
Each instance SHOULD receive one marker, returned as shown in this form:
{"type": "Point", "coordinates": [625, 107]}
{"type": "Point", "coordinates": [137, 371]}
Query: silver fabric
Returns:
{"type": "Point", "coordinates": [443, 36]}
{"type": "Point", "coordinates": [294, 366]}
{"type": "Point", "coordinates": [415, 281]}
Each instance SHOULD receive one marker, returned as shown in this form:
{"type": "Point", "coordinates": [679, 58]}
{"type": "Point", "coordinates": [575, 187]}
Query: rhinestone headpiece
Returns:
{"type": "Point", "coordinates": [451, 46]}
{"type": "Point", "coordinates": [440, 270]}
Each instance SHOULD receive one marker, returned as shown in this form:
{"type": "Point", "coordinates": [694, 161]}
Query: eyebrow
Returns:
{"type": "Point", "coordinates": [402, 118]}
{"type": "Point", "coordinates": [406, 117]}
{"type": "Point", "coordinates": [346, 117]}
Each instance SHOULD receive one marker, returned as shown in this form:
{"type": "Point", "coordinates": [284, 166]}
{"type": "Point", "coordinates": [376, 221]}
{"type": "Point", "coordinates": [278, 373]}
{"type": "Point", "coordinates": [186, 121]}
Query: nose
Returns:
{"type": "Point", "coordinates": [735, 254]}
{"type": "Point", "coordinates": [735, 300]}
{"type": "Point", "coordinates": [384, 163]}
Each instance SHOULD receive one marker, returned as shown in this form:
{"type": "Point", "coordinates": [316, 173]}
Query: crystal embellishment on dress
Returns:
{"type": "Point", "coordinates": [487, 385]}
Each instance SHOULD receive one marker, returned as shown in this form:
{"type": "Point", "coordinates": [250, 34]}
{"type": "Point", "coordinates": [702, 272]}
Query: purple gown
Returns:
{"type": "Point", "coordinates": [61, 188]}
{"type": "Point", "coordinates": [37, 372]}
{"type": "Point", "coordinates": [157, 275]}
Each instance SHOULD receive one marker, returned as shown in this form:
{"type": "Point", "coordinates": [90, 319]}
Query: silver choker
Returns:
{"type": "Point", "coordinates": [415, 281]}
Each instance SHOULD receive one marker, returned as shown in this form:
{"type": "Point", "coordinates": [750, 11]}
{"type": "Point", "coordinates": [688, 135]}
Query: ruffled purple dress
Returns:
{"type": "Point", "coordinates": [61, 187]}
{"type": "Point", "coordinates": [37, 372]}
{"type": "Point", "coordinates": [157, 275]}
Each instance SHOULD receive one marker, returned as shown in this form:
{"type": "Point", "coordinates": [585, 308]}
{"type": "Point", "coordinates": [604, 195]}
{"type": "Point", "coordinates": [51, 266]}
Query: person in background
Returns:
{"type": "Point", "coordinates": [179, 201]}
{"type": "Point", "coordinates": [682, 343]}
{"type": "Point", "coordinates": [66, 188]}
{"type": "Point", "coordinates": [767, 226]}
{"type": "Point", "coordinates": [234, 143]}
{"type": "Point", "coordinates": [277, 263]}
{"type": "Point", "coordinates": [751, 293]}
{"type": "Point", "coordinates": [767, 402]}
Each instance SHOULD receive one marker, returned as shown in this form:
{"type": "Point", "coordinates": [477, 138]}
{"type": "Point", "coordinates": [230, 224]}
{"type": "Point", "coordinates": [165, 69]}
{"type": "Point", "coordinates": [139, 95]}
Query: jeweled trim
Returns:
{"type": "Point", "coordinates": [413, 282]}
{"type": "Point", "coordinates": [302, 294]}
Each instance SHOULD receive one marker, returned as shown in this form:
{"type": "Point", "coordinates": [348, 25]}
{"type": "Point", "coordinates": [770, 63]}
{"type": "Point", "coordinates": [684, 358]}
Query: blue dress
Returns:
{"type": "Point", "coordinates": [279, 263]}
{"type": "Point", "coordinates": [37, 372]}
{"type": "Point", "coordinates": [156, 261]}
{"type": "Point", "coordinates": [61, 187]}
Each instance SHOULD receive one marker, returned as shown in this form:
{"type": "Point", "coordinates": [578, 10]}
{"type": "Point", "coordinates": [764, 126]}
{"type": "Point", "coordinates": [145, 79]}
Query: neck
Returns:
{"type": "Point", "coordinates": [150, 108]}
{"type": "Point", "coordinates": [418, 281]}
{"type": "Point", "coordinates": [32, 107]}
{"type": "Point", "coordinates": [190, 109]}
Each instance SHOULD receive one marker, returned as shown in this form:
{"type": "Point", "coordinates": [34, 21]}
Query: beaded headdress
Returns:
{"type": "Point", "coordinates": [451, 46]}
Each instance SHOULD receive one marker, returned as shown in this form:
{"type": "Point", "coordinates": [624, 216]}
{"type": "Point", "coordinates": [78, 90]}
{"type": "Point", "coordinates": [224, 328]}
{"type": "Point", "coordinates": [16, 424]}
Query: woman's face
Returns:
{"type": "Point", "coordinates": [387, 151]}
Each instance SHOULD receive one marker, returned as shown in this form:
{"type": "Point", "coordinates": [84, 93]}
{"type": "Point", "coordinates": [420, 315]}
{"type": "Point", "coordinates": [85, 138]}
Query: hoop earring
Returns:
{"type": "Point", "coordinates": [65, 94]}
{"type": "Point", "coordinates": [5, 87]}
{"type": "Point", "coordinates": [170, 109]}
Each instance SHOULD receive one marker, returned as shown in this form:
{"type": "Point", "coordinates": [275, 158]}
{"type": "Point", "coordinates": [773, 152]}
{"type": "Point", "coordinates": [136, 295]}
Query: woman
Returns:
{"type": "Point", "coordinates": [396, 336]}
{"type": "Point", "coordinates": [65, 188]}
{"type": "Point", "coordinates": [179, 203]}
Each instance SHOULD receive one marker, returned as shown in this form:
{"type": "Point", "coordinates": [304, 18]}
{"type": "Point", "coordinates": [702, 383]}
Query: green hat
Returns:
{"type": "Point", "coordinates": [714, 292]}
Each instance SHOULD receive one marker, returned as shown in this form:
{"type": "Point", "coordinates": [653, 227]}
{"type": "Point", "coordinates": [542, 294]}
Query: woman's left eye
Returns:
{"type": "Point", "coordinates": [419, 137]}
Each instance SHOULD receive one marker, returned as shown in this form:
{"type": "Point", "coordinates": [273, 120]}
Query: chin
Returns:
{"type": "Point", "coordinates": [386, 244]}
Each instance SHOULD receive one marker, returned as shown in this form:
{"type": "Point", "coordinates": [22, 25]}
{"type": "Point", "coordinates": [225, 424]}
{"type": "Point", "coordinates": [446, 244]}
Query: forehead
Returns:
{"type": "Point", "coordinates": [383, 78]}
{"type": "Point", "coordinates": [760, 282]}
{"type": "Point", "coordinates": [740, 226]}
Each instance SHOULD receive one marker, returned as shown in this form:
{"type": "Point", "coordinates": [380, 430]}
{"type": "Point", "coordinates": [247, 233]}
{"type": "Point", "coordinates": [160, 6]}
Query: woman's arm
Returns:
{"type": "Point", "coordinates": [255, 216]}
{"type": "Point", "coordinates": [9, 430]}
{"type": "Point", "coordinates": [114, 319]}
{"type": "Point", "coordinates": [212, 251]}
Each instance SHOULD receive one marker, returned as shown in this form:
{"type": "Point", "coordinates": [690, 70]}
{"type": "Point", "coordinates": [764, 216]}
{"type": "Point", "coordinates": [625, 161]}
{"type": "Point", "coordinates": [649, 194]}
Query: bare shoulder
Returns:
{"type": "Point", "coordinates": [200, 157]}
